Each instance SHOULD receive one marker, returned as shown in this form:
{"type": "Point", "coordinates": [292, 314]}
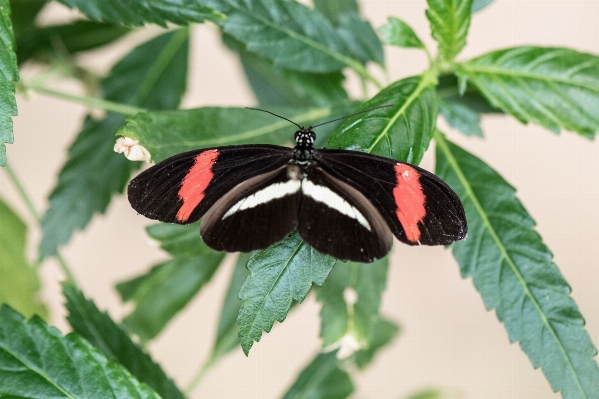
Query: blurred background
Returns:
{"type": "Point", "coordinates": [448, 340]}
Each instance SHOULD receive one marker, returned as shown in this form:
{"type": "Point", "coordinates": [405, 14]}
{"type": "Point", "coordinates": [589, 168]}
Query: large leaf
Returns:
{"type": "Point", "coordinates": [461, 117]}
{"type": "Point", "coordinates": [93, 172]}
{"type": "Point", "coordinates": [168, 287]}
{"type": "Point", "coordinates": [554, 87]}
{"type": "Point", "coordinates": [448, 90]}
{"type": "Point", "coordinates": [276, 86]}
{"type": "Point", "coordinates": [73, 37]}
{"type": "Point", "coordinates": [350, 299]}
{"type": "Point", "coordinates": [513, 270]}
{"type": "Point", "coordinates": [139, 12]}
{"type": "Point", "coordinates": [287, 33]}
{"type": "Point", "coordinates": [463, 110]}
{"type": "Point", "coordinates": [278, 275]}
{"type": "Point", "coordinates": [360, 38]}
{"type": "Point", "coordinates": [24, 13]}
{"type": "Point", "coordinates": [449, 20]}
{"type": "Point", "coordinates": [334, 9]}
{"type": "Point", "coordinates": [402, 131]}
{"type": "Point", "coordinates": [8, 74]}
{"type": "Point", "coordinates": [19, 282]}
{"type": "Point", "coordinates": [323, 378]}
{"type": "Point", "coordinates": [171, 132]}
{"type": "Point", "coordinates": [103, 333]}
{"type": "Point", "coordinates": [397, 33]}
{"type": "Point", "coordinates": [37, 361]}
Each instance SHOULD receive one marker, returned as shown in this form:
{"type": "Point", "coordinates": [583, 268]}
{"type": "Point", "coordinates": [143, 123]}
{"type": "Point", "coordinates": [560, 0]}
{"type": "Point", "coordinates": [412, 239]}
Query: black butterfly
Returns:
{"type": "Point", "coordinates": [347, 204]}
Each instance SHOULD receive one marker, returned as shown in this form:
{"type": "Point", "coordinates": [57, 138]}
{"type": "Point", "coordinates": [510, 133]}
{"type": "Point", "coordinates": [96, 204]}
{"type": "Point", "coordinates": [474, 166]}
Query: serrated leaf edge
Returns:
{"type": "Point", "coordinates": [442, 144]}
{"type": "Point", "coordinates": [259, 309]}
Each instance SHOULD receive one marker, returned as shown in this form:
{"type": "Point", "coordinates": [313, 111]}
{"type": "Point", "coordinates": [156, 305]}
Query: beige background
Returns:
{"type": "Point", "coordinates": [449, 340]}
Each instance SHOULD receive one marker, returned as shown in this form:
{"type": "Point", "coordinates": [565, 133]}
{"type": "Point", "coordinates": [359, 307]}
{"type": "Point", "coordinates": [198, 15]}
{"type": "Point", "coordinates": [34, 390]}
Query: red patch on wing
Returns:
{"type": "Point", "coordinates": [409, 199]}
{"type": "Point", "coordinates": [195, 183]}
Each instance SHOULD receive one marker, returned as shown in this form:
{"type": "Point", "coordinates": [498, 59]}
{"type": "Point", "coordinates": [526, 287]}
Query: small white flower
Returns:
{"type": "Point", "coordinates": [132, 149]}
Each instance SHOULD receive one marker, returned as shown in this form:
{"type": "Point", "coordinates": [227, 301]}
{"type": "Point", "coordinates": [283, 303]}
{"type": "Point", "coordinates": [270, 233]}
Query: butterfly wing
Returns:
{"type": "Point", "coordinates": [182, 188]}
{"type": "Point", "coordinates": [419, 207]}
{"type": "Point", "coordinates": [338, 220]}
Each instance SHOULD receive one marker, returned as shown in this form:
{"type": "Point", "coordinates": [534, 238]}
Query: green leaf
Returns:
{"type": "Point", "coordinates": [334, 9]}
{"type": "Point", "coordinates": [478, 5]}
{"type": "Point", "coordinates": [401, 132]}
{"type": "Point", "coordinates": [86, 183]}
{"type": "Point", "coordinates": [37, 361]}
{"type": "Point", "coordinates": [357, 34]}
{"type": "Point", "coordinates": [278, 275]}
{"type": "Point", "coordinates": [72, 38]}
{"type": "Point", "coordinates": [381, 334]}
{"type": "Point", "coordinates": [397, 33]}
{"type": "Point", "coordinates": [350, 299]}
{"type": "Point", "coordinates": [24, 13]}
{"type": "Point", "coordinates": [139, 12]}
{"type": "Point", "coordinates": [170, 132]}
{"type": "Point", "coordinates": [323, 378]}
{"type": "Point", "coordinates": [513, 270]}
{"type": "Point", "coordinates": [227, 335]}
{"type": "Point", "coordinates": [275, 86]}
{"type": "Point", "coordinates": [169, 286]}
{"type": "Point", "coordinates": [156, 84]}
{"type": "Point", "coordinates": [360, 38]}
{"type": "Point", "coordinates": [8, 74]}
{"type": "Point", "coordinates": [93, 172]}
{"type": "Point", "coordinates": [556, 88]}
{"type": "Point", "coordinates": [449, 20]}
{"type": "Point", "coordinates": [469, 96]}
{"type": "Point", "coordinates": [19, 282]}
{"type": "Point", "coordinates": [287, 33]}
{"type": "Point", "coordinates": [461, 117]}
{"type": "Point", "coordinates": [103, 333]}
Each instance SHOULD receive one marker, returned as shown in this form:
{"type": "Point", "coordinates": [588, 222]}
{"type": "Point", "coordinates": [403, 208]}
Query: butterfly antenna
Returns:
{"type": "Point", "coordinates": [272, 113]}
{"type": "Point", "coordinates": [347, 116]}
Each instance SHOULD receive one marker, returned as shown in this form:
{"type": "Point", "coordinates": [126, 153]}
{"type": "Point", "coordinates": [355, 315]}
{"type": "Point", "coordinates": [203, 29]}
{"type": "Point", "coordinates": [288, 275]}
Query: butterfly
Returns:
{"type": "Point", "coordinates": [347, 204]}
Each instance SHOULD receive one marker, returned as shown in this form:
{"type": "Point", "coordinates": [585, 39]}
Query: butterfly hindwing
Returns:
{"type": "Point", "coordinates": [182, 188]}
{"type": "Point", "coordinates": [338, 220]}
{"type": "Point", "coordinates": [418, 206]}
{"type": "Point", "coordinates": [255, 214]}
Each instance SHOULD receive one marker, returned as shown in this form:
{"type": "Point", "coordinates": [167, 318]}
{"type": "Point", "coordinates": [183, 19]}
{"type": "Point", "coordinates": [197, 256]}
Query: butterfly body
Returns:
{"type": "Point", "coordinates": [347, 204]}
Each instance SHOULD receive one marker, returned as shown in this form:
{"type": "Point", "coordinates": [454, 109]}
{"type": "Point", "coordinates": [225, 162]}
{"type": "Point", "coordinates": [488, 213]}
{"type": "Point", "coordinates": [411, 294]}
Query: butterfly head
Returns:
{"type": "Point", "coordinates": [304, 136]}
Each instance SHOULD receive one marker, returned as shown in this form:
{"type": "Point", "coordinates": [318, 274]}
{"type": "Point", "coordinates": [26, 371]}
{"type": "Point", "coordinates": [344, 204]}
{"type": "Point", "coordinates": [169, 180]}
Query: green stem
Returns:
{"type": "Point", "coordinates": [29, 204]}
{"type": "Point", "coordinates": [199, 376]}
{"type": "Point", "coordinates": [85, 100]}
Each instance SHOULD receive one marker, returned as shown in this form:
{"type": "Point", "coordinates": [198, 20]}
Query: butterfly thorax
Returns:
{"type": "Point", "coordinates": [303, 151]}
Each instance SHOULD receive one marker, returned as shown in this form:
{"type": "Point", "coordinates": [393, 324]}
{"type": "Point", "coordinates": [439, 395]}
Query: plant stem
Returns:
{"type": "Point", "coordinates": [199, 375]}
{"type": "Point", "coordinates": [89, 101]}
{"type": "Point", "coordinates": [29, 204]}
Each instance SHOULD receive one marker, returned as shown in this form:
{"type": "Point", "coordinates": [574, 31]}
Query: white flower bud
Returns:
{"type": "Point", "coordinates": [132, 149]}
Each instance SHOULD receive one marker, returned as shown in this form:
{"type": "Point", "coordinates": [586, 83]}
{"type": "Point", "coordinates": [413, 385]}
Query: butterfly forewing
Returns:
{"type": "Point", "coordinates": [182, 188]}
{"type": "Point", "coordinates": [418, 206]}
